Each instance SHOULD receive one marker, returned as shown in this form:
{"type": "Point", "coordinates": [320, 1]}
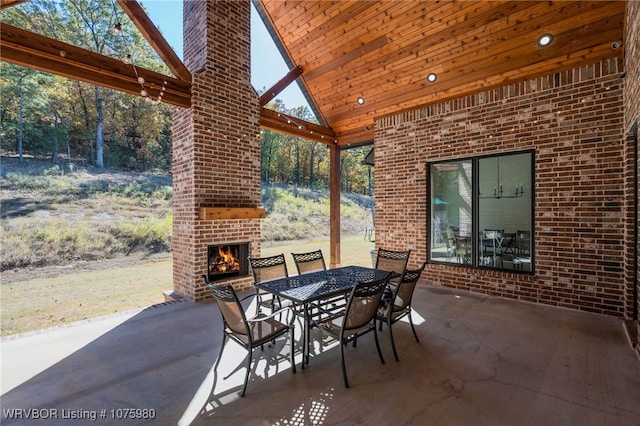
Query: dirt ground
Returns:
{"type": "Point", "coordinates": [29, 273]}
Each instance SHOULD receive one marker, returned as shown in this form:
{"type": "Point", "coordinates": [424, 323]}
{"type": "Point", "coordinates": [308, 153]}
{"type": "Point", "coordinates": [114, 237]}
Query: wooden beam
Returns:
{"type": "Point", "coordinates": [287, 124]}
{"type": "Point", "coordinates": [8, 3]}
{"type": "Point", "coordinates": [213, 213]}
{"type": "Point", "coordinates": [32, 50]}
{"type": "Point", "coordinates": [155, 38]}
{"type": "Point", "coordinates": [334, 206]}
{"type": "Point", "coordinates": [280, 85]}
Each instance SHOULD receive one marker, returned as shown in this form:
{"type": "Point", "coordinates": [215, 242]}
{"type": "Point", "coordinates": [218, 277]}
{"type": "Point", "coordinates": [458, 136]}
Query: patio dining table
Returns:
{"type": "Point", "coordinates": [318, 286]}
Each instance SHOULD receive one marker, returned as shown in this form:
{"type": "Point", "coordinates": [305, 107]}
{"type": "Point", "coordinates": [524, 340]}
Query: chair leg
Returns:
{"type": "Point", "coordinates": [293, 348]}
{"type": "Point", "coordinates": [344, 368]}
{"type": "Point", "coordinates": [246, 376]}
{"type": "Point", "coordinates": [413, 328]}
{"type": "Point", "coordinates": [224, 341]}
{"type": "Point", "coordinates": [393, 343]}
{"type": "Point", "coordinates": [375, 334]}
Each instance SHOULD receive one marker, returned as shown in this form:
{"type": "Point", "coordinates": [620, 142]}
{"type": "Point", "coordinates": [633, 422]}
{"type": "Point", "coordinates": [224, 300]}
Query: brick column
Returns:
{"type": "Point", "coordinates": [216, 144]}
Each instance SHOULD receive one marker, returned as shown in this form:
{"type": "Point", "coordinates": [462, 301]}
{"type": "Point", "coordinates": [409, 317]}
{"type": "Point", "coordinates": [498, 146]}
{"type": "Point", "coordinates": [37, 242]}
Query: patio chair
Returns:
{"type": "Point", "coordinates": [462, 248]}
{"type": "Point", "coordinates": [265, 269]}
{"type": "Point", "coordinates": [357, 319]}
{"type": "Point", "coordinates": [393, 261]}
{"type": "Point", "coordinates": [309, 262]}
{"type": "Point", "coordinates": [400, 305]}
{"type": "Point", "coordinates": [248, 333]}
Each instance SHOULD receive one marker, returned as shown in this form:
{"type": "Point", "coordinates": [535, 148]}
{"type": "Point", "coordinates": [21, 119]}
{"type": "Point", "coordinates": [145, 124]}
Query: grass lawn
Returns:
{"type": "Point", "coordinates": [54, 301]}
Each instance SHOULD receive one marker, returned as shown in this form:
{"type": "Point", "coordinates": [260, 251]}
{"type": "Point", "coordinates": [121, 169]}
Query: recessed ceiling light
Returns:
{"type": "Point", "coordinates": [432, 77]}
{"type": "Point", "coordinates": [360, 100]}
{"type": "Point", "coordinates": [544, 40]}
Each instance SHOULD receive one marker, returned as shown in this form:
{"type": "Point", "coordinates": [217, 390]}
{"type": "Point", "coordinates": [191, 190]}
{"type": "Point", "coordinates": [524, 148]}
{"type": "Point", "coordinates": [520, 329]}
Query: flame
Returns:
{"type": "Point", "coordinates": [225, 261]}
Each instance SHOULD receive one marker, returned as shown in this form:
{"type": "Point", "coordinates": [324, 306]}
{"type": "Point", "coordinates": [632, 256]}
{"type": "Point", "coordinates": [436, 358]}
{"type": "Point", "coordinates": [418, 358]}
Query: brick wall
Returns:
{"type": "Point", "coordinates": [632, 100]}
{"type": "Point", "coordinates": [574, 121]}
{"type": "Point", "coordinates": [216, 145]}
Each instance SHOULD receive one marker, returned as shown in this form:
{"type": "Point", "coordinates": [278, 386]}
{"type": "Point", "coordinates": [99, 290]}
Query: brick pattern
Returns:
{"type": "Point", "coordinates": [574, 121]}
{"type": "Point", "coordinates": [632, 100]}
{"type": "Point", "coordinates": [216, 151]}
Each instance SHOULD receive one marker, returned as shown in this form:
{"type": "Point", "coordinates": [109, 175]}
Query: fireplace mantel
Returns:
{"type": "Point", "coordinates": [212, 213]}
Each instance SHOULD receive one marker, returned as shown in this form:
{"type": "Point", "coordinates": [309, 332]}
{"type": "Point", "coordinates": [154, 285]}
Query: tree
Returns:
{"type": "Point", "coordinates": [88, 118]}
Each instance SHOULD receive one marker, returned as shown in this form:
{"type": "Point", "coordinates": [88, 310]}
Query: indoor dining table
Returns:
{"type": "Point", "coordinates": [318, 286]}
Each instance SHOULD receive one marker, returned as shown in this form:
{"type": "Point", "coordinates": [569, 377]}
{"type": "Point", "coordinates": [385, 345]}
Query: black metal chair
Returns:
{"type": "Point", "coordinates": [393, 261]}
{"type": "Point", "coordinates": [399, 306]}
{"type": "Point", "coordinates": [251, 332]}
{"type": "Point", "coordinates": [357, 319]}
{"type": "Point", "coordinates": [309, 262]}
{"type": "Point", "coordinates": [265, 269]}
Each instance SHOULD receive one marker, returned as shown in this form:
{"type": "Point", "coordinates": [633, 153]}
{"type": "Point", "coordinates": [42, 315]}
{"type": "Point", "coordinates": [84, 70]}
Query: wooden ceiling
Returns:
{"type": "Point", "coordinates": [383, 50]}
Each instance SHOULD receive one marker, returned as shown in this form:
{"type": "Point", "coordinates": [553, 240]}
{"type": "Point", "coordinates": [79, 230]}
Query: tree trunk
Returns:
{"type": "Point", "coordinates": [99, 130]}
{"type": "Point", "coordinates": [20, 124]}
{"type": "Point", "coordinates": [56, 143]}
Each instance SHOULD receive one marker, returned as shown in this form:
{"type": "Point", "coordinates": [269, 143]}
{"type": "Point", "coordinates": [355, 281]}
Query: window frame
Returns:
{"type": "Point", "coordinates": [475, 212]}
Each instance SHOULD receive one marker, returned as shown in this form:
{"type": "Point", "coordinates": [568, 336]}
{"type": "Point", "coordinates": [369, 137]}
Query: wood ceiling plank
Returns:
{"type": "Point", "coordinates": [397, 29]}
{"type": "Point", "coordinates": [492, 36]}
{"type": "Point", "coordinates": [340, 61]}
{"type": "Point", "coordinates": [358, 77]}
{"type": "Point", "coordinates": [297, 17]}
{"type": "Point", "coordinates": [401, 100]}
{"type": "Point", "coordinates": [320, 35]}
{"type": "Point", "coordinates": [476, 58]}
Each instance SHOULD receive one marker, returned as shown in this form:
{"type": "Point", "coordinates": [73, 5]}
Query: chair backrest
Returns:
{"type": "Point", "coordinates": [493, 233]}
{"type": "Point", "coordinates": [392, 261]}
{"type": "Point", "coordinates": [523, 242]}
{"type": "Point", "coordinates": [230, 307]}
{"type": "Point", "coordinates": [363, 302]}
{"type": "Point", "coordinates": [462, 246]}
{"type": "Point", "coordinates": [309, 262]}
{"type": "Point", "coordinates": [268, 268]}
{"type": "Point", "coordinates": [404, 291]}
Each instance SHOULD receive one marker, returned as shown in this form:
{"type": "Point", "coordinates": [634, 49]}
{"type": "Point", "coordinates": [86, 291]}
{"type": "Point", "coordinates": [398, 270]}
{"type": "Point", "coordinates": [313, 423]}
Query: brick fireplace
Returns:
{"type": "Point", "coordinates": [227, 261]}
{"type": "Point", "coordinates": [216, 152]}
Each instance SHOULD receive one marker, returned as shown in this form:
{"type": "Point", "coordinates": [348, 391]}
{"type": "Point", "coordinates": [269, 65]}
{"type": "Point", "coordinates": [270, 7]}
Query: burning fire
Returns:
{"type": "Point", "coordinates": [224, 261]}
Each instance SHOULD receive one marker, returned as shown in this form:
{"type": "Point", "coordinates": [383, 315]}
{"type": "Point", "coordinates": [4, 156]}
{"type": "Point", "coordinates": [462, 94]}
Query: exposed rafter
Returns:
{"type": "Point", "coordinates": [280, 85]}
{"type": "Point", "coordinates": [9, 3]}
{"type": "Point", "coordinates": [32, 50]}
{"type": "Point", "coordinates": [284, 123]}
{"type": "Point", "coordinates": [146, 27]}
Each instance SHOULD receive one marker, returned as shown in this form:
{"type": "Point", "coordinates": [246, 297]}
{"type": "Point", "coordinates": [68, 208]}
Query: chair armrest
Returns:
{"type": "Point", "coordinates": [272, 315]}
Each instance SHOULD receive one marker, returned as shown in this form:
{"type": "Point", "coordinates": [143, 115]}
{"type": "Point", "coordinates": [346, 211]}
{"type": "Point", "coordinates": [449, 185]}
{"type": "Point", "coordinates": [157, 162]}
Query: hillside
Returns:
{"type": "Point", "coordinates": [66, 219]}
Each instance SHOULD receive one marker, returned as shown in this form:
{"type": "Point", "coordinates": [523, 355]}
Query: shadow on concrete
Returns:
{"type": "Point", "coordinates": [481, 360]}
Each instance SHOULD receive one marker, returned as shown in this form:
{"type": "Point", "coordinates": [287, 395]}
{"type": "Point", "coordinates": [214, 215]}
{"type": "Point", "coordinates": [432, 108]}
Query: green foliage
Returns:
{"type": "Point", "coordinates": [45, 115]}
{"type": "Point", "coordinates": [47, 183]}
{"type": "Point", "coordinates": [53, 171]}
{"type": "Point", "coordinates": [288, 160]}
{"type": "Point", "coordinates": [149, 233]}
{"type": "Point", "coordinates": [48, 218]}
{"type": "Point", "coordinates": [294, 213]}
{"type": "Point", "coordinates": [44, 241]}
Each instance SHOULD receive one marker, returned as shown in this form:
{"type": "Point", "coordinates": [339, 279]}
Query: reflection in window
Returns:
{"type": "Point", "coordinates": [492, 229]}
{"type": "Point", "coordinates": [451, 207]}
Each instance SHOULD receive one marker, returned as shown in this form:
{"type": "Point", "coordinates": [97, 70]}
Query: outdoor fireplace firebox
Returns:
{"type": "Point", "coordinates": [228, 261]}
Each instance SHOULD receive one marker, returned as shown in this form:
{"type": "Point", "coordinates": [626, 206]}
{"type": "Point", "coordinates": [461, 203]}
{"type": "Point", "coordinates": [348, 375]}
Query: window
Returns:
{"type": "Point", "coordinates": [482, 211]}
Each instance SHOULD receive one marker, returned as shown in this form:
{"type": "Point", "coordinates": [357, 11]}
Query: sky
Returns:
{"type": "Point", "coordinates": [267, 65]}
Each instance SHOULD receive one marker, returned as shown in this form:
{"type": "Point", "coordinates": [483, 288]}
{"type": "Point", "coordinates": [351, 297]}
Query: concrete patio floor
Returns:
{"type": "Point", "coordinates": [481, 361]}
